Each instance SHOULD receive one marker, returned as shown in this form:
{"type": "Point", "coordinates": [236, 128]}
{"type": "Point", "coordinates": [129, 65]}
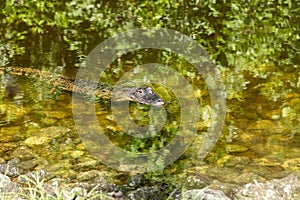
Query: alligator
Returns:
{"type": "Point", "coordinates": [141, 94]}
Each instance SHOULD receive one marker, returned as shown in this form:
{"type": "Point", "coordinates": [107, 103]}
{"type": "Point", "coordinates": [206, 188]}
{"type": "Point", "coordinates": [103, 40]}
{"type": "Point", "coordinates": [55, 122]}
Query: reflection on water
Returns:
{"type": "Point", "coordinates": [36, 125]}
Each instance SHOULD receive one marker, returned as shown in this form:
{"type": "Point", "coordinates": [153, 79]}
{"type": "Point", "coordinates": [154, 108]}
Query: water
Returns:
{"type": "Point", "coordinates": [260, 137]}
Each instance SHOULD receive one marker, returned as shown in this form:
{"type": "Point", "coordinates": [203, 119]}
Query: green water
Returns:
{"type": "Point", "coordinates": [261, 133]}
{"type": "Point", "coordinates": [258, 137]}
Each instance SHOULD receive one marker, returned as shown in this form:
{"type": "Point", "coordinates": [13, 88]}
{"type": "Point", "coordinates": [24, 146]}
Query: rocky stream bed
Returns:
{"type": "Point", "coordinates": [14, 185]}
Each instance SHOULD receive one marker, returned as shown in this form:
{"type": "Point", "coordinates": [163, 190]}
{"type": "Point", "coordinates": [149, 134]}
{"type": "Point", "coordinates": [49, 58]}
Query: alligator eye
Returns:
{"type": "Point", "coordinates": [140, 91]}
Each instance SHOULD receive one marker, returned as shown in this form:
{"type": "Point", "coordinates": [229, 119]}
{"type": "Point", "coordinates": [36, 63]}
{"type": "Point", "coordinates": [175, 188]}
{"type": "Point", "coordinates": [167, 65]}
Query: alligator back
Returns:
{"type": "Point", "coordinates": [59, 81]}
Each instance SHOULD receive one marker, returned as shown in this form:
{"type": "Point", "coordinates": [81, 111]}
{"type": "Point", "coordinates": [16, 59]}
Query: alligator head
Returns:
{"type": "Point", "coordinates": [145, 95]}
{"type": "Point", "coordinates": [142, 94]}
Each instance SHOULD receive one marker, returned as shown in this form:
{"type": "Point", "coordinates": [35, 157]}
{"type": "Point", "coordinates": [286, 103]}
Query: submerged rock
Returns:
{"type": "Point", "coordinates": [37, 140]}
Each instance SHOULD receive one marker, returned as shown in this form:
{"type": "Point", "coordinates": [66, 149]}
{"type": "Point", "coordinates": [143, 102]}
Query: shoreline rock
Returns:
{"type": "Point", "coordinates": [16, 186]}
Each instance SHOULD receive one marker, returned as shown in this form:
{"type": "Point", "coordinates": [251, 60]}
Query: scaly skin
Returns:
{"type": "Point", "coordinates": [143, 94]}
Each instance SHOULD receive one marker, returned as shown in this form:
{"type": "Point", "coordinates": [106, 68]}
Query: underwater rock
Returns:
{"type": "Point", "coordinates": [37, 140]}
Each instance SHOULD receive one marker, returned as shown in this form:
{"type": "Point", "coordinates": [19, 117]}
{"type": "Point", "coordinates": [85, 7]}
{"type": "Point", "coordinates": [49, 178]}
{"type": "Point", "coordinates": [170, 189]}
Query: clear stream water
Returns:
{"type": "Point", "coordinates": [260, 138]}
{"type": "Point", "coordinates": [36, 125]}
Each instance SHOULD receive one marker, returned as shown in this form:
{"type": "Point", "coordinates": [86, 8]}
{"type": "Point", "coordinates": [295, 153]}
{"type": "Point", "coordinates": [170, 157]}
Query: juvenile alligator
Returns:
{"type": "Point", "coordinates": [142, 94]}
